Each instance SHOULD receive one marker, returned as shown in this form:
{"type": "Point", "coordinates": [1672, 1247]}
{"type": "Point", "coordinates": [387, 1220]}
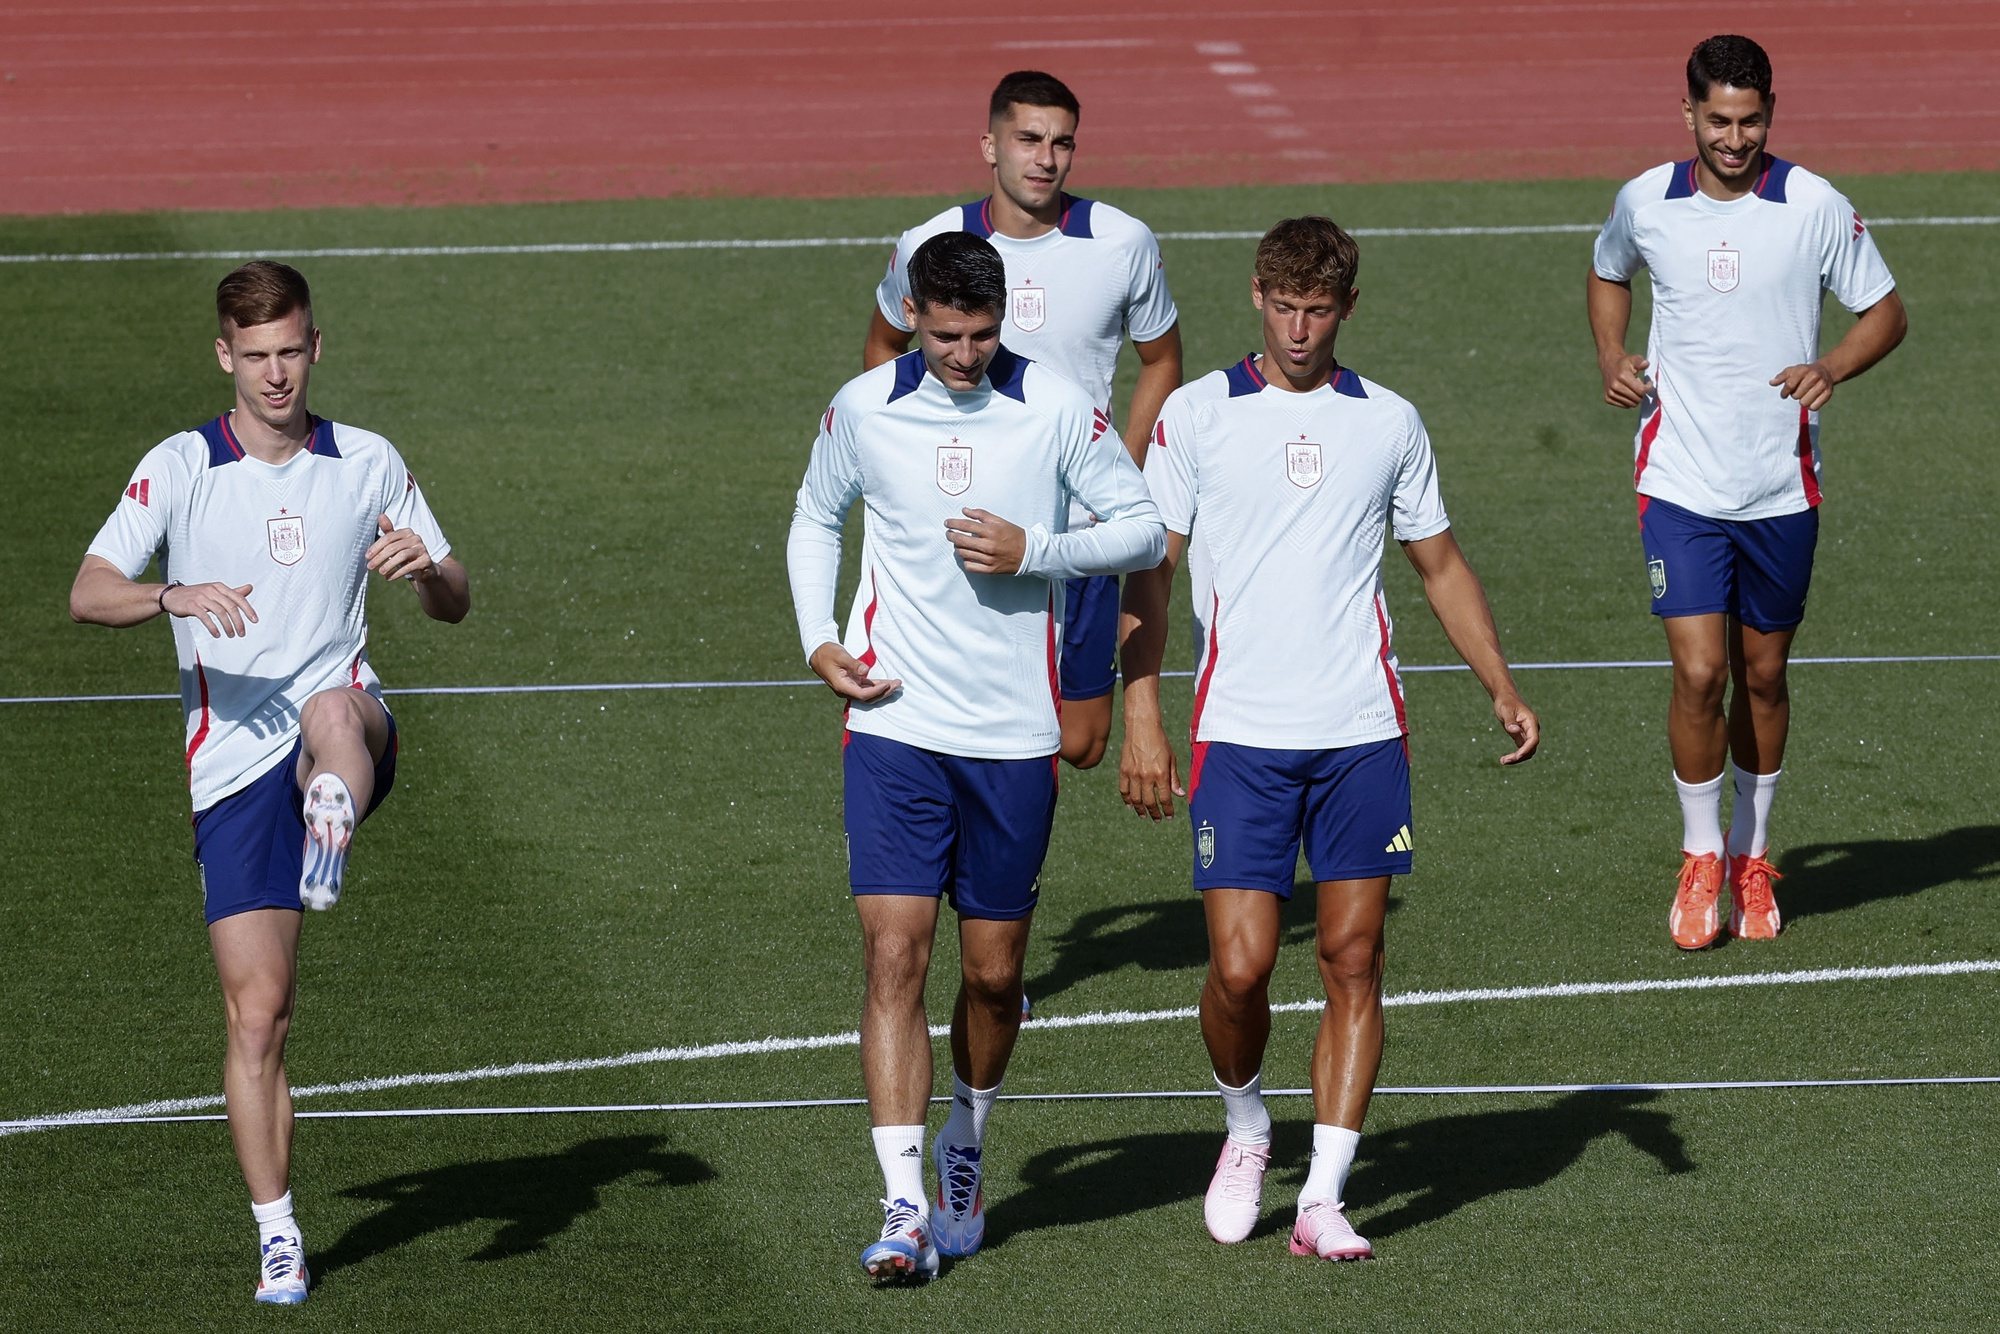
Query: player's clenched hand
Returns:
{"type": "Point", "coordinates": [1625, 380]}
{"type": "Point", "coordinates": [1811, 384]}
{"type": "Point", "coordinates": [1521, 724]}
{"type": "Point", "coordinates": [399, 553]}
{"type": "Point", "coordinates": [987, 543]}
{"type": "Point", "coordinates": [846, 675]}
{"type": "Point", "coordinates": [1148, 777]}
{"type": "Point", "coordinates": [224, 610]}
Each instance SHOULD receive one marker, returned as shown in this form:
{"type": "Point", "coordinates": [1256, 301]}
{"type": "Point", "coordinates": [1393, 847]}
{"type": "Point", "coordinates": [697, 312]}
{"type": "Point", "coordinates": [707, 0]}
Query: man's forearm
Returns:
{"type": "Point", "coordinates": [1459, 603]}
{"type": "Point", "coordinates": [1609, 306]}
{"type": "Point", "coordinates": [1874, 336]}
{"type": "Point", "coordinates": [1143, 618]}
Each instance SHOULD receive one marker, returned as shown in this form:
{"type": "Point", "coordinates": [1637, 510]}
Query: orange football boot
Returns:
{"type": "Point", "coordinates": [1694, 920]}
{"type": "Point", "coordinates": [1755, 916]}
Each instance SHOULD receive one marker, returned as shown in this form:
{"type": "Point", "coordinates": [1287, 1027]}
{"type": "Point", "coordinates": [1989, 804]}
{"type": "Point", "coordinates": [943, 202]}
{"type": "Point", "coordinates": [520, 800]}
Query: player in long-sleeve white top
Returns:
{"type": "Point", "coordinates": [1082, 278]}
{"type": "Point", "coordinates": [1286, 469]}
{"type": "Point", "coordinates": [965, 457]}
{"type": "Point", "coordinates": [1740, 246]}
{"type": "Point", "coordinates": [269, 521]}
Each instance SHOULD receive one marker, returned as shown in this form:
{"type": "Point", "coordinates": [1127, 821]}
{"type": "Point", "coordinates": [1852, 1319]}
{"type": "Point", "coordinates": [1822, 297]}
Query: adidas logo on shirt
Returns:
{"type": "Point", "coordinates": [1401, 842]}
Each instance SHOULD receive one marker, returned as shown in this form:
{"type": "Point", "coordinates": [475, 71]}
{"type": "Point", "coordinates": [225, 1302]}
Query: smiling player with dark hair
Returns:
{"type": "Point", "coordinates": [1740, 246]}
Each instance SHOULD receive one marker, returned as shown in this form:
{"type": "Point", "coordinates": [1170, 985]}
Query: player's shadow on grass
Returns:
{"type": "Point", "coordinates": [1832, 877]}
{"type": "Point", "coordinates": [1164, 936]}
{"type": "Point", "coordinates": [532, 1198]}
{"type": "Point", "coordinates": [1448, 1162]}
{"type": "Point", "coordinates": [1110, 1178]}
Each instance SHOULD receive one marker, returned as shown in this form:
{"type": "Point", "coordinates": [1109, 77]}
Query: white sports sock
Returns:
{"type": "Point", "coordinates": [1750, 825]}
{"type": "Point", "coordinates": [1333, 1156]}
{"type": "Point", "coordinates": [900, 1151]}
{"type": "Point", "coordinates": [969, 1109]}
{"type": "Point", "coordinates": [1243, 1108]}
{"type": "Point", "coordinates": [275, 1219]}
{"type": "Point", "coordinates": [1701, 815]}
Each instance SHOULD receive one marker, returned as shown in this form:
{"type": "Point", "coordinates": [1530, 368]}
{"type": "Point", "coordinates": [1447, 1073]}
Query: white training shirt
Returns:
{"type": "Point", "coordinates": [1073, 293]}
{"type": "Point", "coordinates": [976, 653]}
{"type": "Point", "coordinates": [297, 534]}
{"type": "Point", "coordinates": [1287, 497]}
{"type": "Point", "coordinates": [1736, 299]}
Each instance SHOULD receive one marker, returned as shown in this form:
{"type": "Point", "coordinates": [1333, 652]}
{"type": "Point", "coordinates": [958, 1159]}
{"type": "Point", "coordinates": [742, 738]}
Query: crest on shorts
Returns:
{"type": "Point", "coordinates": [1656, 571]}
{"type": "Point", "coordinates": [1302, 464]}
{"type": "Point", "coordinates": [1725, 269]}
{"type": "Point", "coordinates": [1028, 307]}
{"type": "Point", "coordinates": [1204, 844]}
{"type": "Point", "coordinates": [954, 469]}
{"type": "Point", "coordinates": [288, 538]}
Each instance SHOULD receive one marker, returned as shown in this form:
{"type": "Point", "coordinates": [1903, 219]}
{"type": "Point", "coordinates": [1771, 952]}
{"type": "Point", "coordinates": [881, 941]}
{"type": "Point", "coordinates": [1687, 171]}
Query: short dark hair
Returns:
{"type": "Point", "coordinates": [1031, 88]}
{"type": "Point", "coordinates": [1734, 62]}
{"type": "Point", "coordinates": [959, 270]}
{"type": "Point", "coordinates": [1308, 256]}
{"type": "Point", "coordinates": [259, 292]}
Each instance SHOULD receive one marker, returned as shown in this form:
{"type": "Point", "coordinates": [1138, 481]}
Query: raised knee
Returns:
{"type": "Point", "coordinates": [332, 708]}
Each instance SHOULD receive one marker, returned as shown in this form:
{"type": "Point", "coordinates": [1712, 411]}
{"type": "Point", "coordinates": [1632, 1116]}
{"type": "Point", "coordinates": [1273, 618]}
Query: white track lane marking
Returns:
{"type": "Point", "coordinates": [578, 688]}
{"type": "Point", "coordinates": [1135, 1095]}
{"type": "Point", "coordinates": [169, 1107]}
{"type": "Point", "coordinates": [794, 243]}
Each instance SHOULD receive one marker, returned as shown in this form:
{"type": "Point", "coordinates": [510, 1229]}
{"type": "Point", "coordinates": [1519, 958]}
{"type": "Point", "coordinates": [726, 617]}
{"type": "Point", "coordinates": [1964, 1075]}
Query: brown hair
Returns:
{"type": "Point", "coordinates": [1306, 257]}
{"type": "Point", "coordinates": [259, 292]}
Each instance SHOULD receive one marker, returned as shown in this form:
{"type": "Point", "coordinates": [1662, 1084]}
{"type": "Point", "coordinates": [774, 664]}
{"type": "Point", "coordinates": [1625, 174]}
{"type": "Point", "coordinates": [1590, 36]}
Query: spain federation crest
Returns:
{"type": "Point", "coordinates": [1204, 844]}
{"type": "Point", "coordinates": [1725, 269]}
{"type": "Point", "coordinates": [288, 538]}
{"type": "Point", "coordinates": [954, 464]}
{"type": "Point", "coordinates": [1656, 572]}
{"type": "Point", "coordinates": [1302, 464]}
{"type": "Point", "coordinates": [1028, 307]}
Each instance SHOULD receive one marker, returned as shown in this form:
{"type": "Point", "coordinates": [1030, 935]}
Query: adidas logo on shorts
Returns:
{"type": "Point", "coordinates": [1401, 842]}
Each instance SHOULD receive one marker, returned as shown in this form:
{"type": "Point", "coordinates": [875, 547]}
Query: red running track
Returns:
{"type": "Point", "coordinates": [151, 104]}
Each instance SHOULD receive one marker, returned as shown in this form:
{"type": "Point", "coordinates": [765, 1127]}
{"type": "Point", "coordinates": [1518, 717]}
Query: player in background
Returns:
{"type": "Point", "coordinates": [271, 520]}
{"type": "Point", "coordinates": [1082, 276]}
{"type": "Point", "coordinates": [1286, 468]}
{"type": "Point", "coordinates": [965, 457]}
{"type": "Point", "coordinates": [1740, 245]}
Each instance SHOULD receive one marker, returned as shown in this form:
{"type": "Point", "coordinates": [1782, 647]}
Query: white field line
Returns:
{"type": "Point", "coordinates": [1121, 1095]}
{"type": "Point", "coordinates": [795, 243]}
{"type": "Point", "coordinates": [168, 1107]}
{"type": "Point", "coordinates": [587, 687]}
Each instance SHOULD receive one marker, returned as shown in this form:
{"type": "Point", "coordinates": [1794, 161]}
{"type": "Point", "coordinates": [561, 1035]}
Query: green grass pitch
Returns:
{"type": "Point", "coordinates": [612, 440]}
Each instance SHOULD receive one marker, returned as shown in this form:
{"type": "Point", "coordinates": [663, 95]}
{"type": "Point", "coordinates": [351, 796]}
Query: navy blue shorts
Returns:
{"type": "Point", "coordinates": [1090, 637]}
{"type": "Point", "coordinates": [1756, 570]}
{"type": "Point", "coordinates": [1251, 809]}
{"type": "Point", "coordinates": [251, 844]}
{"type": "Point", "coordinates": [919, 822]}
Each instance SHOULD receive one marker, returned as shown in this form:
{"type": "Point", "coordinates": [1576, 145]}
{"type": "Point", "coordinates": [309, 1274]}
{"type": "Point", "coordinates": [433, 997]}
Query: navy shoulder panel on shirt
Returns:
{"type": "Point", "coordinates": [909, 374]}
{"type": "Point", "coordinates": [1680, 185]}
{"type": "Point", "coordinates": [1771, 184]}
{"type": "Point", "coordinates": [1347, 382]}
{"type": "Point", "coordinates": [322, 439]}
{"type": "Point", "coordinates": [222, 446]}
{"type": "Point", "coordinates": [1076, 217]}
{"type": "Point", "coordinates": [1008, 372]}
{"type": "Point", "coordinates": [1243, 377]}
{"type": "Point", "coordinates": [975, 217]}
